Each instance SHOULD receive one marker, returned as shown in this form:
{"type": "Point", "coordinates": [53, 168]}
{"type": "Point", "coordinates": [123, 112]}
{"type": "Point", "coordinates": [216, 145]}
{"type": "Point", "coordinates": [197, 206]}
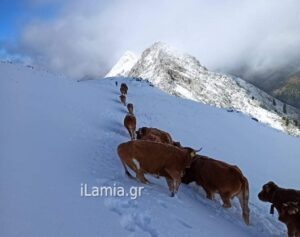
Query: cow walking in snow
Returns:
{"type": "Point", "coordinates": [155, 158]}
{"type": "Point", "coordinates": [130, 108]}
{"type": "Point", "coordinates": [287, 204]}
{"type": "Point", "coordinates": [123, 99]}
{"type": "Point", "coordinates": [130, 125]}
{"type": "Point", "coordinates": [219, 177]}
{"type": "Point", "coordinates": [123, 89]}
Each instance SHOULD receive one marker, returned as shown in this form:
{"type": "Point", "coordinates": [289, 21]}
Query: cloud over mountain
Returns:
{"type": "Point", "coordinates": [87, 37]}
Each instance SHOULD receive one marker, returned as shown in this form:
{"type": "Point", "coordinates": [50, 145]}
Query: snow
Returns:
{"type": "Point", "coordinates": [183, 75]}
{"type": "Point", "coordinates": [124, 65]}
{"type": "Point", "coordinates": [57, 134]}
{"type": "Point", "coordinates": [184, 92]}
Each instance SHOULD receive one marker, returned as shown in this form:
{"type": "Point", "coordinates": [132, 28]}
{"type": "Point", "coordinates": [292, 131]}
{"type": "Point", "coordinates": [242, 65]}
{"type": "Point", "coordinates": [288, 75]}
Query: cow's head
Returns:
{"type": "Point", "coordinates": [141, 132]}
{"type": "Point", "coordinates": [267, 192]}
{"type": "Point", "coordinates": [191, 154]}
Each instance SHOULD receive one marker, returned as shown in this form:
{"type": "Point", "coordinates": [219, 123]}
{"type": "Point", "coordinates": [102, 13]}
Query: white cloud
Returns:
{"type": "Point", "coordinates": [87, 37]}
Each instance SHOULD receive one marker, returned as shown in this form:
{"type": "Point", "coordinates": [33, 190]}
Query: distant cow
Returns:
{"type": "Point", "coordinates": [123, 99]}
{"type": "Point", "coordinates": [130, 125]}
{"type": "Point", "coordinates": [219, 177]}
{"type": "Point", "coordinates": [123, 89]}
{"type": "Point", "coordinates": [155, 158]}
{"type": "Point", "coordinates": [287, 204]}
{"type": "Point", "coordinates": [154, 134]}
{"type": "Point", "coordinates": [130, 108]}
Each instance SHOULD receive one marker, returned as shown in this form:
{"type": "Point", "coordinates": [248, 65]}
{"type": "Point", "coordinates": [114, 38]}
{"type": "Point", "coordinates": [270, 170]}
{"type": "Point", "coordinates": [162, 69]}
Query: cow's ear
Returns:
{"type": "Point", "coordinates": [267, 188]}
{"type": "Point", "coordinates": [193, 154]}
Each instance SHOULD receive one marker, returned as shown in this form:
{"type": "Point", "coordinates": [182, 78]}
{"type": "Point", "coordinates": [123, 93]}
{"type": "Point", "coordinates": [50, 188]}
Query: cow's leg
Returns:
{"type": "Point", "coordinates": [176, 179]}
{"type": "Point", "coordinates": [139, 172]}
{"type": "Point", "coordinates": [128, 129]}
{"type": "Point", "coordinates": [292, 231]}
{"type": "Point", "coordinates": [126, 170]}
{"type": "Point", "coordinates": [135, 166]}
{"type": "Point", "coordinates": [171, 186]}
{"type": "Point", "coordinates": [226, 199]}
{"type": "Point", "coordinates": [140, 176]}
{"type": "Point", "coordinates": [132, 133]}
{"type": "Point", "coordinates": [177, 182]}
{"type": "Point", "coordinates": [209, 193]}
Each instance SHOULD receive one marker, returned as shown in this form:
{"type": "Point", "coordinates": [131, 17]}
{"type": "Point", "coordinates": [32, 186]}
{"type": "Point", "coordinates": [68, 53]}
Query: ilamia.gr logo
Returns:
{"type": "Point", "coordinates": [110, 191]}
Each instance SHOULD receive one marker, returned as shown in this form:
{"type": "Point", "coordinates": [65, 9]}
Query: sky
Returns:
{"type": "Point", "coordinates": [254, 38]}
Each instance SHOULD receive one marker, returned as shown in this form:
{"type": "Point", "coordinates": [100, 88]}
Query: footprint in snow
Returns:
{"type": "Point", "coordinates": [132, 218]}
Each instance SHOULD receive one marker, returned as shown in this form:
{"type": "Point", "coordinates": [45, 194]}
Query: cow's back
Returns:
{"type": "Point", "coordinates": [217, 174]}
{"type": "Point", "coordinates": [152, 156]}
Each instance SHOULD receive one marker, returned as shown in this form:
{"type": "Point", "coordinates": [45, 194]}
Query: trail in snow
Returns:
{"type": "Point", "coordinates": [57, 134]}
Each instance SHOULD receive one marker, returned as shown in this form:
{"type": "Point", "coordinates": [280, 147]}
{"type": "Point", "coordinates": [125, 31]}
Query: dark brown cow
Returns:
{"type": "Point", "coordinates": [287, 204]}
{"type": "Point", "coordinates": [130, 125]}
{"type": "Point", "coordinates": [123, 99]}
{"type": "Point", "coordinates": [130, 108]}
{"type": "Point", "coordinates": [155, 158]}
{"type": "Point", "coordinates": [289, 213]}
{"type": "Point", "coordinates": [123, 89]}
{"type": "Point", "coordinates": [154, 134]}
{"type": "Point", "coordinates": [219, 177]}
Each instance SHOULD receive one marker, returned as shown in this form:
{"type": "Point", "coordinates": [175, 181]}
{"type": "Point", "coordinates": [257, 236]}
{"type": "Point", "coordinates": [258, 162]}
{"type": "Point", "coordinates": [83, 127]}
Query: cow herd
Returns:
{"type": "Point", "coordinates": [153, 151]}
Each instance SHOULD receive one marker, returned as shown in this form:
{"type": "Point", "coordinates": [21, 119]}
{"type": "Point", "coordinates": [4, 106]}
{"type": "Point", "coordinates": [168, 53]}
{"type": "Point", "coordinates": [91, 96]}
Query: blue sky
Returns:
{"type": "Point", "coordinates": [15, 14]}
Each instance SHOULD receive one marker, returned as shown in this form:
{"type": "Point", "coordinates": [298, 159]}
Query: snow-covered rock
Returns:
{"type": "Point", "coordinates": [124, 65]}
{"type": "Point", "coordinates": [183, 75]}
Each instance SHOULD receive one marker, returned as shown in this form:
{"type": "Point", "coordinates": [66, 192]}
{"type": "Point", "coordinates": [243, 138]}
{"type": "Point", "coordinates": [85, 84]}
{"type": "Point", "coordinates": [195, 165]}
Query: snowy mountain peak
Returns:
{"type": "Point", "coordinates": [124, 65]}
{"type": "Point", "coordinates": [162, 64]}
{"type": "Point", "coordinates": [182, 75]}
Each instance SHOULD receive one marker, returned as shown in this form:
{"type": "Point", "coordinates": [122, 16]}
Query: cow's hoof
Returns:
{"type": "Point", "coordinates": [172, 194]}
{"type": "Point", "coordinates": [226, 205]}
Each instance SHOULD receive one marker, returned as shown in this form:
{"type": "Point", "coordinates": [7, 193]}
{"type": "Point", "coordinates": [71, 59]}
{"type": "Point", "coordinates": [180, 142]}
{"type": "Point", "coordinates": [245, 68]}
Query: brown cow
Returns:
{"type": "Point", "coordinates": [286, 202]}
{"type": "Point", "coordinates": [289, 213]}
{"type": "Point", "coordinates": [130, 108]}
{"type": "Point", "coordinates": [155, 158]}
{"type": "Point", "coordinates": [123, 89]}
{"type": "Point", "coordinates": [219, 177]}
{"type": "Point", "coordinates": [130, 124]}
{"type": "Point", "coordinates": [154, 134]}
{"type": "Point", "coordinates": [123, 99]}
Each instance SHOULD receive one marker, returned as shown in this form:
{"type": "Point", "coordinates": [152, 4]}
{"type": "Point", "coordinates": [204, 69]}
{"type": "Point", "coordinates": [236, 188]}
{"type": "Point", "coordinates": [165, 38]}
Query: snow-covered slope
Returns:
{"type": "Point", "coordinates": [182, 75]}
{"type": "Point", "coordinates": [124, 65]}
{"type": "Point", "coordinates": [56, 134]}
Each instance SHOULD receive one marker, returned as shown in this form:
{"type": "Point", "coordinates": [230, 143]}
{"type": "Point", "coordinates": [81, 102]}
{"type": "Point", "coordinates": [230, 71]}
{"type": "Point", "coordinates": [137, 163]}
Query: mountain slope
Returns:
{"type": "Point", "coordinates": [289, 91]}
{"type": "Point", "coordinates": [124, 65]}
{"type": "Point", "coordinates": [182, 75]}
{"type": "Point", "coordinates": [57, 134]}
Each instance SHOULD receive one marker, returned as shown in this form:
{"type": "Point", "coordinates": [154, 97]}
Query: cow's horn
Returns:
{"type": "Point", "coordinates": [199, 149]}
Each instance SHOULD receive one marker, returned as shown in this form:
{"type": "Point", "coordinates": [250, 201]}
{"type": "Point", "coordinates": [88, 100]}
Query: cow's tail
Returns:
{"type": "Point", "coordinates": [244, 199]}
